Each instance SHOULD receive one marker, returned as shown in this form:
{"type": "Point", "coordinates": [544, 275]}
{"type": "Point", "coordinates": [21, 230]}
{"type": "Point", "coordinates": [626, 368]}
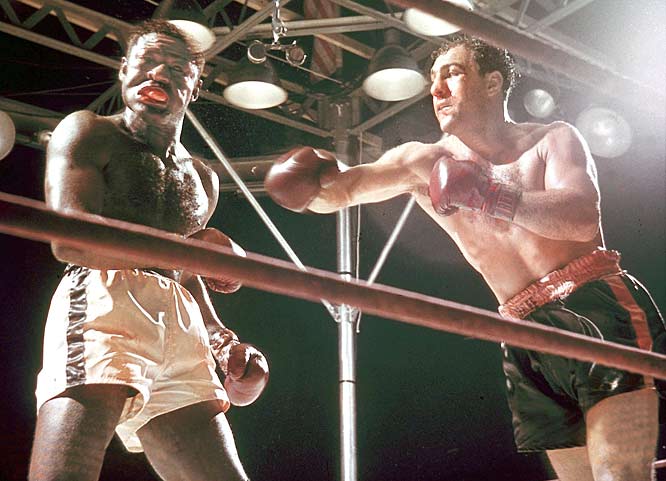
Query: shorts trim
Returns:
{"type": "Point", "coordinates": [137, 384]}
{"type": "Point", "coordinates": [78, 306]}
{"type": "Point", "coordinates": [637, 315]}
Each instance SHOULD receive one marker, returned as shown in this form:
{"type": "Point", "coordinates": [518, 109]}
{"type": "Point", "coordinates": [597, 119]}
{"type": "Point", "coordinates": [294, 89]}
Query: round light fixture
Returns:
{"type": "Point", "coordinates": [607, 133]}
{"type": "Point", "coordinates": [426, 24]}
{"type": "Point", "coordinates": [7, 134]}
{"type": "Point", "coordinates": [539, 103]}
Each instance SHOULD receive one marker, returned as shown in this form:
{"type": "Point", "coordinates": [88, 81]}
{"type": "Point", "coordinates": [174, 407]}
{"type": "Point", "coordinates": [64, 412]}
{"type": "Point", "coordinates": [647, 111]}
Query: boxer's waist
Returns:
{"type": "Point", "coordinates": [562, 282]}
{"type": "Point", "coordinates": [174, 275]}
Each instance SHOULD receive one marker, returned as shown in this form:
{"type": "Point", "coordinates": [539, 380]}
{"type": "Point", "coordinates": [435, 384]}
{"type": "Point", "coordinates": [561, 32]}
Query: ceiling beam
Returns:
{"type": "Point", "coordinates": [390, 20]}
{"type": "Point", "coordinates": [58, 45]}
{"type": "Point", "coordinates": [552, 36]}
{"type": "Point", "coordinates": [301, 28]}
{"type": "Point", "coordinates": [558, 15]}
{"type": "Point", "coordinates": [599, 78]}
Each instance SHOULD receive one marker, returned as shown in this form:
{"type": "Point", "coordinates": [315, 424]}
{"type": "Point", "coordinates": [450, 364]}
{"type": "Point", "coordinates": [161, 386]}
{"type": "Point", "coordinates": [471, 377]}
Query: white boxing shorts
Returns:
{"type": "Point", "coordinates": [131, 327]}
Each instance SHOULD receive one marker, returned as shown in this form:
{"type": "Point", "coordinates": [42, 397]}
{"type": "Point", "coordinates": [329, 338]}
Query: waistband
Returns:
{"type": "Point", "coordinates": [562, 282]}
{"type": "Point", "coordinates": [169, 274]}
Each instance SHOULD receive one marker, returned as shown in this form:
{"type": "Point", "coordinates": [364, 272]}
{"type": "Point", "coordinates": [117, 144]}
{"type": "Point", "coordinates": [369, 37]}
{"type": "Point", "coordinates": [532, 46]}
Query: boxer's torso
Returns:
{"type": "Point", "coordinates": [166, 192]}
{"type": "Point", "coordinates": [508, 256]}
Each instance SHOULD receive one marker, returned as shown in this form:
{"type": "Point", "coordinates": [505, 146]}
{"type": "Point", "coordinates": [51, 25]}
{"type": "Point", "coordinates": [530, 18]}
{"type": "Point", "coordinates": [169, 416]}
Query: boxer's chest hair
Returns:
{"type": "Point", "coordinates": [526, 172]}
{"type": "Point", "coordinates": [145, 189]}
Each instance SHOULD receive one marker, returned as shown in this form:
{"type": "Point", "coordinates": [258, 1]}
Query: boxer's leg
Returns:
{"type": "Point", "coordinates": [622, 436]}
{"type": "Point", "coordinates": [73, 432]}
{"type": "Point", "coordinates": [571, 464]}
{"type": "Point", "coordinates": [193, 443]}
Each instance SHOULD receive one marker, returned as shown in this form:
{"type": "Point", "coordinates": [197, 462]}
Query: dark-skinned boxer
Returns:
{"type": "Point", "coordinates": [129, 348]}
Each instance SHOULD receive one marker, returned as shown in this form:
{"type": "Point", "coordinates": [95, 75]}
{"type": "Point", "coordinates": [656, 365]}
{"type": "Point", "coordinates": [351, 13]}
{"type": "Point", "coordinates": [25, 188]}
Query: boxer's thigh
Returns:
{"type": "Point", "coordinates": [193, 443]}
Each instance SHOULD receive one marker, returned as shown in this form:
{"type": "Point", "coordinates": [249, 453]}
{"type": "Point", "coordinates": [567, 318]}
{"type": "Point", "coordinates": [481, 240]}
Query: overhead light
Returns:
{"type": "Point", "coordinates": [190, 18]}
{"type": "Point", "coordinates": [256, 51]}
{"type": "Point", "coordinates": [293, 53]}
{"type": "Point", "coordinates": [254, 86]}
{"type": "Point", "coordinates": [539, 103]}
{"type": "Point", "coordinates": [7, 134]}
{"type": "Point", "coordinates": [393, 74]}
{"type": "Point", "coordinates": [607, 133]}
{"type": "Point", "coordinates": [426, 24]}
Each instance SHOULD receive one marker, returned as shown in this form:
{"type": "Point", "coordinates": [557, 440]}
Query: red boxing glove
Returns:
{"type": "Point", "coordinates": [294, 180]}
{"type": "Point", "coordinates": [463, 184]}
{"type": "Point", "coordinates": [246, 374]}
{"type": "Point", "coordinates": [225, 285]}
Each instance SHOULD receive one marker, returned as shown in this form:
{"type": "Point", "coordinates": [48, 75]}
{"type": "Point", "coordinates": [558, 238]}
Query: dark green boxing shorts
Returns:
{"type": "Point", "coordinates": [549, 395]}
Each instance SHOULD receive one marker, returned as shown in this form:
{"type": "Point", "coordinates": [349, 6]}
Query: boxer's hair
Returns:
{"type": "Point", "coordinates": [487, 57]}
{"type": "Point", "coordinates": [165, 27]}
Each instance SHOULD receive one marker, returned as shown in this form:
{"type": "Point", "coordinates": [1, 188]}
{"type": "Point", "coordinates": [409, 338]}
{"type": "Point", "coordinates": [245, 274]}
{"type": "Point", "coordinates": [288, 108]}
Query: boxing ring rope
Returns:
{"type": "Point", "coordinates": [31, 219]}
{"type": "Point", "coordinates": [391, 240]}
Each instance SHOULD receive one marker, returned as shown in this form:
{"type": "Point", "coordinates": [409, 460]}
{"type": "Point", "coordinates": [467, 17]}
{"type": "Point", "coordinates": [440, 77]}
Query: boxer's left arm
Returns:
{"type": "Point", "coordinates": [568, 206]}
{"type": "Point", "coordinates": [211, 185]}
{"type": "Point", "coordinates": [245, 367]}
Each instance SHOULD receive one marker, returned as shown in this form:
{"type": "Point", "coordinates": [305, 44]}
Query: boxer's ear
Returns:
{"type": "Point", "coordinates": [123, 69]}
{"type": "Point", "coordinates": [494, 82]}
{"type": "Point", "coordinates": [196, 91]}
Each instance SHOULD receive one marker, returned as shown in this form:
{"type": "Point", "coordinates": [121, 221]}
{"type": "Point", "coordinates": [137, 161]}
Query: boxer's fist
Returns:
{"type": "Point", "coordinates": [463, 184]}
{"type": "Point", "coordinates": [295, 178]}
{"type": "Point", "coordinates": [225, 285]}
{"type": "Point", "coordinates": [456, 184]}
{"type": "Point", "coordinates": [246, 374]}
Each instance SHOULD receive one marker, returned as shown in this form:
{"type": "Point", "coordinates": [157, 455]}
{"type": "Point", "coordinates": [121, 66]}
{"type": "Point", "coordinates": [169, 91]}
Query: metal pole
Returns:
{"type": "Point", "coordinates": [346, 263]}
{"type": "Point", "coordinates": [212, 144]}
{"type": "Point", "coordinates": [347, 353]}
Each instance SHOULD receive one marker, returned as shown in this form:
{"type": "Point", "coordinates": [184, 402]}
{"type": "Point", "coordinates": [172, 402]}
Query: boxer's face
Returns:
{"type": "Point", "coordinates": [159, 76]}
{"type": "Point", "coordinates": [457, 89]}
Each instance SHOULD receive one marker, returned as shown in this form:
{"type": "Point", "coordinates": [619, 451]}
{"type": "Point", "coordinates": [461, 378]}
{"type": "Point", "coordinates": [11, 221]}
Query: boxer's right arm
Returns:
{"type": "Point", "coordinates": [309, 179]}
{"type": "Point", "coordinates": [74, 181]}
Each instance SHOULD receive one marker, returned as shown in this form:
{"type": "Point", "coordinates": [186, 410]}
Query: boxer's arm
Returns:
{"type": "Point", "coordinates": [393, 174]}
{"type": "Point", "coordinates": [74, 181]}
{"type": "Point", "coordinates": [195, 285]}
{"type": "Point", "coordinates": [568, 207]}
{"type": "Point", "coordinates": [244, 366]}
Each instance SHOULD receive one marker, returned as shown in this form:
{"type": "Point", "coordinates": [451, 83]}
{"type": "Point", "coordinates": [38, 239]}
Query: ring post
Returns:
{"type": "Point", "coordinates": [347, 259]}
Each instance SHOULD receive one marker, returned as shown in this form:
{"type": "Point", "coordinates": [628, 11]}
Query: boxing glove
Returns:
{"type": "Point", "coordinates": [295, 178]}
{"type": "Point", "coordinates": [463, 184]}
{"type": "Point", "coordinates": [225, 285]}
{"type": "Point", "coordinates": [245, 368]}
{"type": "Point", "coordinates": [246, 375]}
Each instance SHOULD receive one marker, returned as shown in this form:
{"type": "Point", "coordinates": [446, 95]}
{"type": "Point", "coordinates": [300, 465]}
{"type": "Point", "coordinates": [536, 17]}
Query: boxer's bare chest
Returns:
{"type": "Point", "coordinates": [522, 167]}
{"type": "Point", "coordinates": [165, 193]}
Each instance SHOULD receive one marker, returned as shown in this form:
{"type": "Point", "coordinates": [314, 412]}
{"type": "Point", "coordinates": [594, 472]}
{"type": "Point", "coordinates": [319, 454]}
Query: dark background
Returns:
{"type": "Point", "coordinates": [430, 404]}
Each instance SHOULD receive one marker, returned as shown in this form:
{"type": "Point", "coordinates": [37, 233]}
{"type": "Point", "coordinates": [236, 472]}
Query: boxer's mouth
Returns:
{"type": "Point", "coordinates": [153, 94]}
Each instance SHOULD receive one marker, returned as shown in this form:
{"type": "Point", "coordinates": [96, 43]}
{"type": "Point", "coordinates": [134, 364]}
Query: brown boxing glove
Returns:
{"type": "Point", "coordinates": [245, 368]}
{"type": "Point", "coordinates": [246, 375]}
{"type": "Point", "coordinates": [464, 184]}
{"type": "Point", "coordinates": [225, 285]}
{"type": "Point", "coordinates": [295, 178]}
